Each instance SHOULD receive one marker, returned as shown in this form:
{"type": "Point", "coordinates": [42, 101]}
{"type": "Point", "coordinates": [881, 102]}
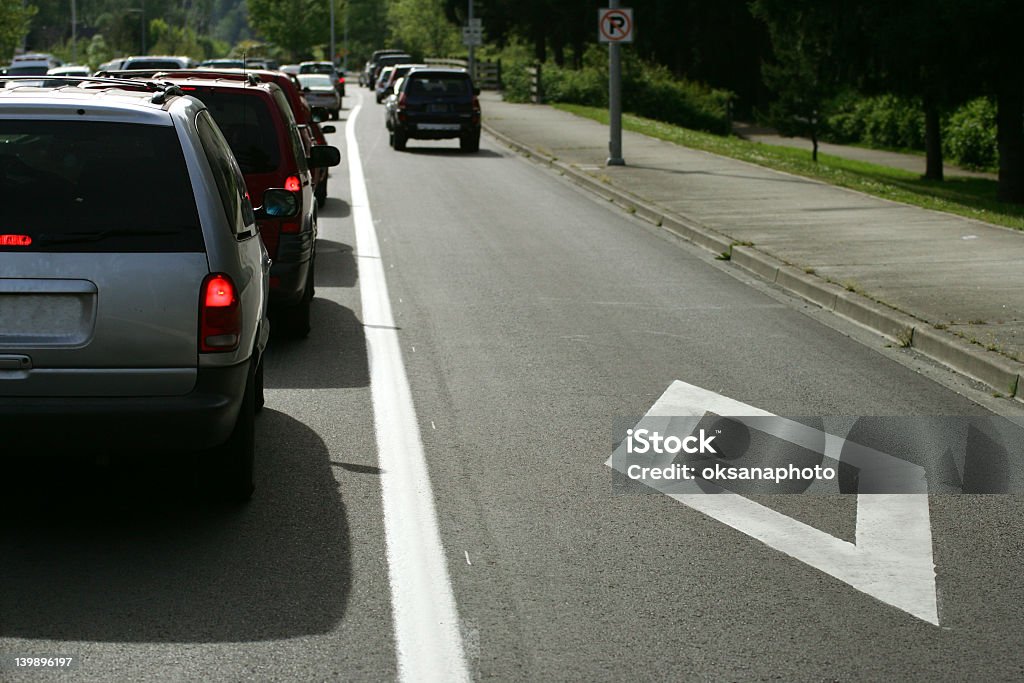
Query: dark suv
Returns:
{"type": "Point", "coordinates": [436, 104]}
{"type": "Point", "coordinates": [258, 124]}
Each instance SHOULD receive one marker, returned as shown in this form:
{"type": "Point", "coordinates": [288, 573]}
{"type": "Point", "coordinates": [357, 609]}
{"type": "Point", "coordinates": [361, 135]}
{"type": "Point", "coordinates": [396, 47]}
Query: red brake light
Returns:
{"type": "Point", "coordinates": [15, 240]}
{"type": "Point", "coordinates": [401, 101]}
{"type": "Point", "coordinates": [341, 79]}
{"type": "Point", "coordinates": [292, 184]}
{"type": "Point", "coordinates": [220, 318]}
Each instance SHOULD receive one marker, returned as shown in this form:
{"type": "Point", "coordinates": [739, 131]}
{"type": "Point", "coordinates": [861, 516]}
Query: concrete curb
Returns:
{"type": "Point", "coordinates": [1002, 374]}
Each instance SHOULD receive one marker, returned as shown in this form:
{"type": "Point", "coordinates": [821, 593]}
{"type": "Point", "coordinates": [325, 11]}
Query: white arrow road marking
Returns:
{"type": "Point", "coordinates": [427, 634]}
{"type": "Point", "coordinates": [892, 559]}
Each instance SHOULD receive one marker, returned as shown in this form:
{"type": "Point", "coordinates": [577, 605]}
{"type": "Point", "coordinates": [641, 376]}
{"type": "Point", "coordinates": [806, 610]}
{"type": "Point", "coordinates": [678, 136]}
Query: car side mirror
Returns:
{"type": "Point", "coordinates": [326, 130]}
{"type": "Point", "coordinates": [476, 90]}
{"type": "Point", "coordinates": [324, 156]}
{"type": "Point", "coordinates": [278, 203]}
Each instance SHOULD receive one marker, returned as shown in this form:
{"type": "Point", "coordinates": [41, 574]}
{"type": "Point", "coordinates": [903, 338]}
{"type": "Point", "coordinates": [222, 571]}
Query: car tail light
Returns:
{"type": "Point", "coordinates": [291, 227]}
{"type": "Point", "coordinates": [476, 104]}
{"type": "Point", "coordinates": [220, 318]}
{"type": "Point", "coordinates": [292, 183]}
{"type": "Point", "coordinates": [401, 101]}
{"type": "Point", "coordinates": [341, 80]}
{"type": "Point", "coordinates": [7, 240]}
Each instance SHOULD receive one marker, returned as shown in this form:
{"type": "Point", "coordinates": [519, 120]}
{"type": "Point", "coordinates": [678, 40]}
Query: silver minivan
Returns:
{"type": "Point", "coordinates": [133, 280]}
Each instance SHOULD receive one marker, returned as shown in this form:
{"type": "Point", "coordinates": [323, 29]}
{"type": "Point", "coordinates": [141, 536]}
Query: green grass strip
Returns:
{"type": "Point", "coordinates": [968, 197]}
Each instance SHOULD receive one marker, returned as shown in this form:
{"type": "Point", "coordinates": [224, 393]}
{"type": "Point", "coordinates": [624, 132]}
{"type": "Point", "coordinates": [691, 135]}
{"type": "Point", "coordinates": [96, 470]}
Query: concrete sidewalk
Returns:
{"type": "Point", "coordinates": [951, 287]}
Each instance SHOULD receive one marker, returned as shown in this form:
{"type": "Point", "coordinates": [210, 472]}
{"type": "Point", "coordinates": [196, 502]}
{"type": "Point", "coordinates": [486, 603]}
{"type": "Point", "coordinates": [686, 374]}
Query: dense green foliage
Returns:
{"type": "Point", "coordinates": [970, 135]}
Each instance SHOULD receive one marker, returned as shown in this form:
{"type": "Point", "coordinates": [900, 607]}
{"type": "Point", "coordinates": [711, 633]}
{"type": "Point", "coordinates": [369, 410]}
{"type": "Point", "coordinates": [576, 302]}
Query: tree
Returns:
{"type": "Point", "coordinates": [15, 19]}
{"type": "Point", "coordinates": [812, 44]}
{"type": "Point", "coordinates": [421, 28]}
{"type": "Point", "coordinates": [297, 26]}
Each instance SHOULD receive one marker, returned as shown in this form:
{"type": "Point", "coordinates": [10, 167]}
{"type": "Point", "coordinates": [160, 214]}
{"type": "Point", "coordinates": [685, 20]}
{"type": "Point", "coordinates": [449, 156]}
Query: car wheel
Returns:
{"type": "Point", "coordinates": [295, 319]}
{"type": "Point", "coordinates": [470, 143]}
{"type": "Point", "coordinates": [321, 193]}
{"type": "Point", "coordinates": [261, 400]}
{"type": "Point", "coordinates": [231, 464]}
{"type": "Point", "coordinates": [400, 140]}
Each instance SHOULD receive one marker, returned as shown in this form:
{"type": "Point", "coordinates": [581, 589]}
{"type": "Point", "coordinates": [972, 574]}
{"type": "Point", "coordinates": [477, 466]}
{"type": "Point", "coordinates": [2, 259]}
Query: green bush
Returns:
{"type": "Point", "coordinates": [648, 90]}
{"type": "Point", "coordinates": [882, 121]}
{"type": "Point", "coordinates": [969, 138]}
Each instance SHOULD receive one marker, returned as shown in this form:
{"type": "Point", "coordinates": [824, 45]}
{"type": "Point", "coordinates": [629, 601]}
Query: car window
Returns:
{"type": "Point", "coordinates": [96, 186]}
{"type": "Point", "coordinates": [298, 151]}
{"type": "Point", "coordinates": [434, 85]}
{"type": "Point", "coordinates": [311, 80]}
{"type": "Point", "coordinates": [228, 176]}
{"type": "Point", "coordinates": [27, 70]}
{"type": "Point", "coordinates": [248, 127]}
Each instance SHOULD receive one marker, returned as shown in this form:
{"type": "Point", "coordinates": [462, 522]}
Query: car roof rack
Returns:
{"type": "Point", "coordinates": [161, 90]}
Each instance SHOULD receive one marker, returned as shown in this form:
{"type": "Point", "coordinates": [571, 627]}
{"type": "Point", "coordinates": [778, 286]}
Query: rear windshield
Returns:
{"type": "Point", "coordinates": [27, 70]}
{"type": "Point", "coordinates": [90, 186]}
{"type": "Point", "coordinates": [316, 69]}
{"type": "Point", "coordinates": [150, 64]}
{"type": "Point", "coordinates": [248, 127]}
{"type": "Point", "coordinates": [315, 81]}
{"type": "Point", "coordinates": [433, 85]}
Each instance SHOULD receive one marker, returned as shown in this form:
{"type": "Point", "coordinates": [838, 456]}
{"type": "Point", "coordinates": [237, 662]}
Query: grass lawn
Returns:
{"type": "Point", "coordinates": [970, 197]}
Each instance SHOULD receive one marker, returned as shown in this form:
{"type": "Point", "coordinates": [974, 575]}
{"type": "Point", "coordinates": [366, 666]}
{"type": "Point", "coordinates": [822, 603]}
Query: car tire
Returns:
{"type": "Point", "coordinates": [230, 465]}
{"type": "Point", "coordinates": [295, 319]}
{"type": "Point", "coordinates": [470, 143]}
{"type": "Point", "coordinates": [261, 399]}
{"type": "Point", "coordinates": [400, 140]}
{"type": "Point", "coordinates": [321, 194]}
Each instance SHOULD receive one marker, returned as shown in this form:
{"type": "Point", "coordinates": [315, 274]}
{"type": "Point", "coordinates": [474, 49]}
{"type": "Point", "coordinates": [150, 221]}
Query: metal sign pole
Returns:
{"type": "Point", "coordinates": [469, 62]}
{"type": "Point", "coordinates": [615, 100]}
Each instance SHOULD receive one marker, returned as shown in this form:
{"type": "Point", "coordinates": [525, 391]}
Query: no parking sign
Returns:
{"type": "Point", "coordinates": [615, 25]}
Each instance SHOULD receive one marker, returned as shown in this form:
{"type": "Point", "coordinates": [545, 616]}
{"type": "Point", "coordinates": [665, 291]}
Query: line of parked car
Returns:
{"type": "Point", "coordinates": [423, 102]}
{"type": "Point", "coordinates": [139, 318]}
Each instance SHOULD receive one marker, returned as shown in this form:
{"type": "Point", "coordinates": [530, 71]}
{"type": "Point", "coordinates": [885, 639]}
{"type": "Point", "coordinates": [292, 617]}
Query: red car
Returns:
{"type": "Point", "coordinates": [309, 129]}
{"type": "Point", "coordinates": [258, 123]}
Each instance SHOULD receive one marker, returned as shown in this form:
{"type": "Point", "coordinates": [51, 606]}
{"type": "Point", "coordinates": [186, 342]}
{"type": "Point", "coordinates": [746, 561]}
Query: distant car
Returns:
{"type": "Point", "coordinates": [152, 62]}
{"type": "Point", "coordinates": [437, 104]}
{"type": "Point", "coordinates": [35, 64]}
{"type": "Point", "coordinates": [366, 77]}
{"type": "Point", "coordinates": [397, 72]}
{"type": "Point", "coordinates": [221, 64]}
{"type": "Point", "coordinates": [320, 93]}
{"type": "Point", "coordinates": [380, 89]}
{"type": "Point", "coordinates": [289, 68]}
{"type": "Point", "coordinates": [134, 281]}
{"type": "Point", "coordinates": [112, 65]}
{"type": "Point", "coordinates": [389, 59]}
{"type": "Point", "coordinates": [70, 70]}
{"type": "Point", "coordinates": [328, 69]}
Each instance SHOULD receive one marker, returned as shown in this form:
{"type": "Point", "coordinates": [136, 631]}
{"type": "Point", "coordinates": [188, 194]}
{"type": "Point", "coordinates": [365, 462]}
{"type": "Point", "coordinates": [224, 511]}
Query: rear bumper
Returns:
{"type": "Point", "coordinates": [137, 424]}
{"type": "Point", "coordinates": [421, 128]}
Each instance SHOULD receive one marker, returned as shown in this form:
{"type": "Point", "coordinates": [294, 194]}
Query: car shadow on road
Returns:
{"type": "Point", "coordinates": [335, 264]}
{"type": "Point", "coordinates": [125, 553]}
{"type": "Point", "coordinates": [337, 361]}
{"type": "Point", "coordinates": [335, 208]}
{"type": "Point", "coordinates": [453, 152]}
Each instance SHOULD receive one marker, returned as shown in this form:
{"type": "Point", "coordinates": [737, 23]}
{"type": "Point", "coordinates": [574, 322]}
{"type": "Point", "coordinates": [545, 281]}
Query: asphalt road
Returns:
{"type": "Point", "coordinates": [533, 319]}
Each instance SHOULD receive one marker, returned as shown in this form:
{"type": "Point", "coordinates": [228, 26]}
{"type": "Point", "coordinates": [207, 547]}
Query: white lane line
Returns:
{"type": "Point", "coordinates": [427, 637]}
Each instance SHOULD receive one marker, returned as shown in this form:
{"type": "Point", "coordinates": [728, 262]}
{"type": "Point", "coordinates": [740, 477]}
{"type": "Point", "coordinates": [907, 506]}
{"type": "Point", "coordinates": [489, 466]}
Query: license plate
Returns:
{"type": "Point", "coordinates": [437, 108]}
{"type": "Point", "coordinates": [439, 126]}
